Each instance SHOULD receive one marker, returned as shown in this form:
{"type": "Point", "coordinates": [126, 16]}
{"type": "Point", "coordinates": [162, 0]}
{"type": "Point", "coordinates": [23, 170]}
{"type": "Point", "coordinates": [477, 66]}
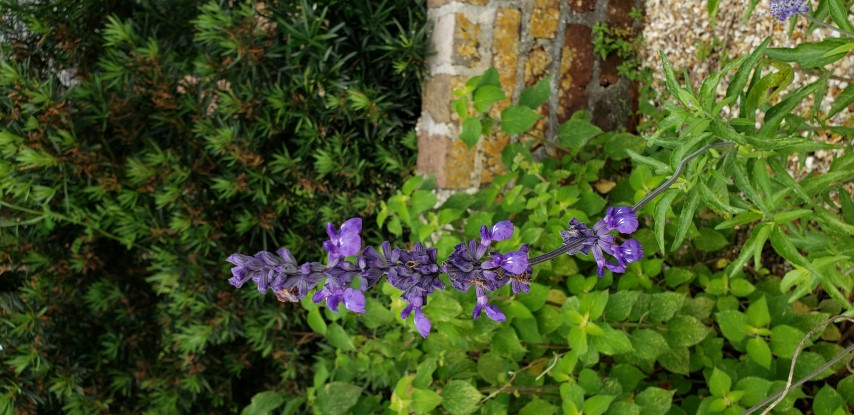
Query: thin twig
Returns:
{"type": "Point", "coordinates": [779, 396]}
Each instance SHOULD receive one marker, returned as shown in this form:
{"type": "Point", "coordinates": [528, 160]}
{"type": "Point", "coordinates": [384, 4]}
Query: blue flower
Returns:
{"type": "Point", "coordinates": [598, 240]}
{"type": "Point", "coordinates": [345, 242]}
{"type": "Point", "coordinates": [784, 9]}
{"type": "Point", "coordinates": [417, 275]}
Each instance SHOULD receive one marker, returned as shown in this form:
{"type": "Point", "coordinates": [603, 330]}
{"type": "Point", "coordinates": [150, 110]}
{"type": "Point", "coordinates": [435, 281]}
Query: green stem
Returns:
{"type": "Point", "coordinates": [825, 25]}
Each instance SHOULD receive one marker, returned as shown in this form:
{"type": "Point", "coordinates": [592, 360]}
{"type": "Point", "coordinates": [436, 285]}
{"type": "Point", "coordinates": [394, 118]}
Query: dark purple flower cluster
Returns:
{"type": "Point", "coordinates": [784, 9]}
{"type": "Point", "coordinates": [467, 266]}
{"type": "Point", "coordinates": [416, 271]}
{"type": "Point", "coordinates": [600, 242]}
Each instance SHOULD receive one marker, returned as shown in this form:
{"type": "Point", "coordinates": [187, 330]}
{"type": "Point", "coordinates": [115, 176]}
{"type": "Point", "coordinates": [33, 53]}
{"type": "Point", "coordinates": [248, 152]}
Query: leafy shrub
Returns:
{"type": "Point", "coordinates": [189, 130]}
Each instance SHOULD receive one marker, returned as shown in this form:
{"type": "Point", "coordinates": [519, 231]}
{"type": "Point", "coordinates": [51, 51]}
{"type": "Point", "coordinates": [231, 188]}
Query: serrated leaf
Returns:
{"type": "Point", "coordinates": [665, 305]}
{"type": "Point", "coordinates": [471, 132]}
{"type": "Point", "coordinates": [654, 401]}
{"type": "Point", "coordinates": [517, 119]}
{"type": "Point", "coordinates": [597, 405]}
{"type": "Point", "coordinates": [785, 340]}
{"type": "Point", "coordinates": [686, 331]}
{"type": "Point", "coordinates": [485, 96]}
{"type": "Point", "coordinates": [757, 313]}
{"type": "Point", "coordinates": [337, 398]}
{"type": "Point", "coordinates": [337, 337]}
{"type": "Point", "coordinates": [425, 401]}
{"type": "Point", "coordinates": [536, 95]}
{"type": "Point", "coordinates": [575, 133]}
{"type": "Point", "coordinates": [263, 403]}
{"type": "Point", "coordinates": [459, 397]}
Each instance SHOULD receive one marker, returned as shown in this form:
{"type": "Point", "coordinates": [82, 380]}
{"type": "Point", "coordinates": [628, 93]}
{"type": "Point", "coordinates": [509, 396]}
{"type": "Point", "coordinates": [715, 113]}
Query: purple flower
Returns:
{"type": "Point", "coordinates": [417, 275]}
{"type": "Point", "coordinates": [261, 268]}
{"type": "Point", "coordinates": [345, 242]}
{"type": "Point", "coordinates": [499, 232]}
{"type": "Point", "coordinates": [373, 264]}
{"type": "Point", "coordinates": [784, 9]}
{"type": "Point", "coordinates": [335, 294]}
{"type": "Point", "coordinates": [292, 287]}
{"type": "Point", "coordinates": [598, 240]}
{"type": "Point", "coordinates": [492, 311]}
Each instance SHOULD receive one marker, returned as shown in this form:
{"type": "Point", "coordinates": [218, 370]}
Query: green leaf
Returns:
{"type": "Point", "coordinates": [774, 116]}
{"type": "Point", "coordinates": [648, 344]}
{"type": "Point", "coordinates": [719, 383]}
{"type": "Point", "coordinates": [759, 352]}
{"type": "Point", "coordinates": [710, 240]}
{"type": "Point", "coordinates": [676, 276]}
{"type": "Point", "coordinates": [717, 201]}
{"type": "Point", "coordinates": [620, 305]}
{"type": "Point", "coordinates": [577, 339]}
{"type": "Point", "coordinates": [676, 360]}
{"type": "Point", "coordinates": [264, 402]}
{"type": "Point", "coordinates": [669, 78]}
{"type": "Point", "coordinates": [785, 340]}
{"type": "Point", "coordinates": [493, 368]}
{"type": "Point", "coordinates": [506, 342]}
{"type": "Point", "coordinates": [443, 307]}
{"type": "Point", "coordinates": [654, 401]}
{"type": "Point", "coordinates": [337, 398]}
{"type": "Point", "coordinates": [741, 287]}
{"type": "Point", "coordinates": [686, 219]}
{"type": "Point", "coordinates": [740, 219]}
{"type": "Point", "coordinates": [489, 77]}
{"type": "Point", "coordinates": [461, 107]}
{"type": "Point", "coordinates": [665, 305]}
{"type": "Point", "coordinates": [423, 200]}
{"type": "Point", "coordinates": [517, 119]}
{"type": "Point", "coordinates": [594, 302]}
{"type": "Point", "coordinates": [755, 389]}
{"type": "Point", "coordinates": [485, 96]}
{"type": "Point", "coordinates": [459, 397]}
{"type": "Point", "coordinates": [839, 14]}
{"type": "Point", "coordinates": [471, 132]}
{"type": "Point", "coordinates": [316, 322]}
{"type": "Point", "coordinates": [425, 401]}
{"type": "Point", "coordinates": [612, 342]}
{"type": "Point", "coordinates": [686, 331]}
{"type": "Point", "coordinates": [597, 405]}
{"type": "Point", "coordinates": [739, 80]}
{"type": "Point", "coordinates": [757, 313]}
{"type": "Point", "coordinates": [827, 402]}
{"type": "Point", "coordinates": [339, 338]}
{"type": "Point", "coordinates": [536, 95]}
{"type": "Point", "coordinates": [842, 101]}
{"type": "Point", "coordinates": [733, 325]}
{"type": "Point", "coordinates": [809, 54]}
{"type": "Point", "coordinates": [660, 215]}
{"type": "Point", "coordinates": [576, 132]}
{"type": "Point", "coordinates": [538, 406]}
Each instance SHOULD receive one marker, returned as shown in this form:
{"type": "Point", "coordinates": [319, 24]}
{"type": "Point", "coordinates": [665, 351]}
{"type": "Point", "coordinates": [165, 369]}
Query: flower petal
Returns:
{"type": "Point", "coordinates": [354, 300]}
{"type": "Point", "coordinates": [422, 323]}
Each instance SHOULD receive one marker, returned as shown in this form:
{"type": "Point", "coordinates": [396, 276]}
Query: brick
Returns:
{"type": "Point", "coordinates": [466, 42]}
{"type": "Point", "coordinates": [582, 6]}
{"type": "Point", "coordinates": [493, 164]}
{"type": "Point", "coordinates": [576, 70]}
{"type": "Point", "coordinates": [505, 52]}
{"type": "Point", "coordinates": [451, 161]}
{"type": "Point", "coordinates": [436, 97]}
{"type": "Point", "coordinates": [617, 14]}
{"type": "Point", "coordinates": [544, 18]}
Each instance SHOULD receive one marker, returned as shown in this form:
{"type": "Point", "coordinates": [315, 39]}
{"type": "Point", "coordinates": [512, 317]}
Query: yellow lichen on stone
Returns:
{"type": "Point", "coordinates": [505, 53]}
{"type": "Point", "coordinates": [459, 165]}
{"type": "Point", "coordinates": [537, 65]}
{"type": "Point", "coordinates": [493, 165]}
{"type": "Point", "coordinates": [544, 19]}
{"type": "Point", "coordinates": [466, 41]}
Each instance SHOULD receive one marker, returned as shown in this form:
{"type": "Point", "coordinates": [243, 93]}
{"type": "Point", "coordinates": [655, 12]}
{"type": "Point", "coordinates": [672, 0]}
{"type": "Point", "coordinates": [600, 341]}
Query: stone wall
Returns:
{"type": "Point", "coordinates": [525, 40]}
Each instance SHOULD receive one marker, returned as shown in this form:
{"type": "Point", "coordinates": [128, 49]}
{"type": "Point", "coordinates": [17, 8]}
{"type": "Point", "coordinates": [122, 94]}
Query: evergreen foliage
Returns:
{"type": "Point", "coordinates": [141, 143]}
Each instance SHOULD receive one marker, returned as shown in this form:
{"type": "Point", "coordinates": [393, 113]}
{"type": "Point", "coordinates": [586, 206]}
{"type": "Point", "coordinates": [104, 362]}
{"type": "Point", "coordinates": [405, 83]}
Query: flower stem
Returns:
{"type": "Point", "coordinates": [826, 26]}
{"type": "Point", "coordinates": [666, 185]}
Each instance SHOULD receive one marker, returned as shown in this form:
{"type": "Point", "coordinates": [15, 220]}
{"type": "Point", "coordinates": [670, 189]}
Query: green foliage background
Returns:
{"type": "Point", "coordinates": [192, 130]}
{"type": "Point", "coordinates": [188, 136]}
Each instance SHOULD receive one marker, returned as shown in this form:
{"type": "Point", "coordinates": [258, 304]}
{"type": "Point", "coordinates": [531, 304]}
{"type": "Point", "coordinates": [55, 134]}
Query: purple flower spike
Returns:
{"type": "Point", "coordinates": [599, 242]}
{"type": "Point", "coordinates": [345, 242]}
{"type": "Point", "coordinates": [784, 9]}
